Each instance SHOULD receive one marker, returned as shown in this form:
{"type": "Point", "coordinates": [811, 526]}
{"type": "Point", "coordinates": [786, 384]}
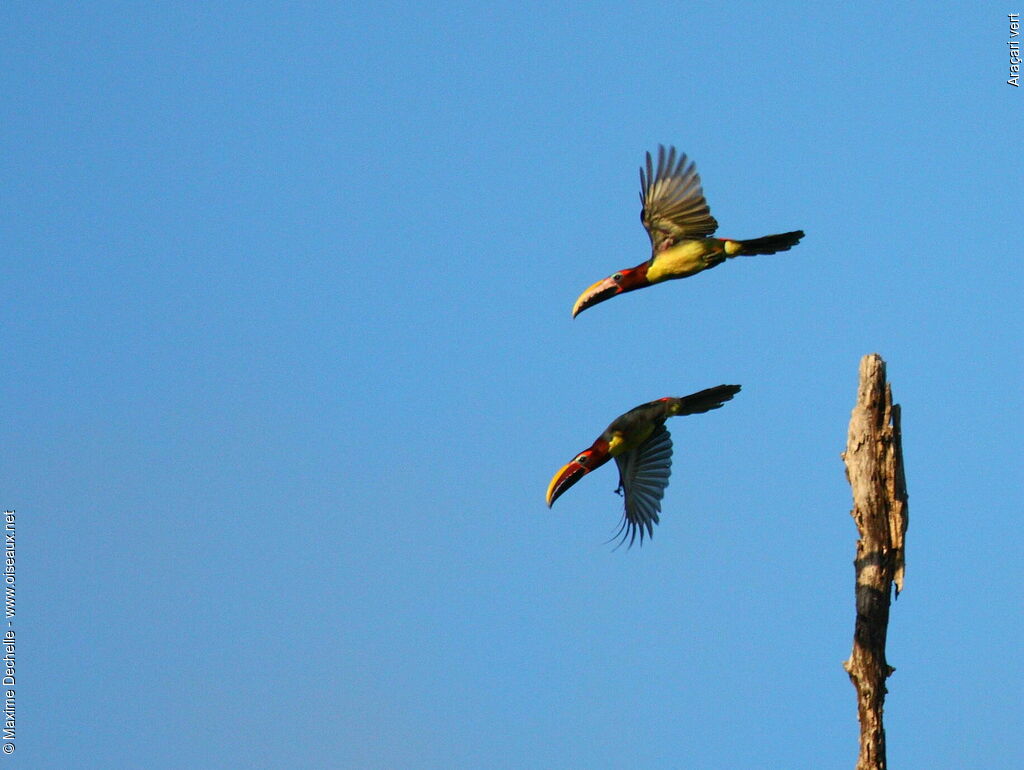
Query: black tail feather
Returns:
{"type": "Point", "coordinates": [706, 400]}
{"type": "Point", "coordinates": [771, 244]}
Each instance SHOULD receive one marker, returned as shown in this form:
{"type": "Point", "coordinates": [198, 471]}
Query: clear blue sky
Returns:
{"type": "Point", "coordinates": [289, 362]}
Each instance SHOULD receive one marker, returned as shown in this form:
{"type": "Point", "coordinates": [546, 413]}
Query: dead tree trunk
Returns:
{"type": "Point", "coordinates": [874, 468]}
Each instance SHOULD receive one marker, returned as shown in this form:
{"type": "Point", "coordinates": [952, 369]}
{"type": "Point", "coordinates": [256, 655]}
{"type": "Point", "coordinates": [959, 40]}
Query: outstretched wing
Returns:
{"type": "Point", "coordinates": [674, 208]}
{"type": "Point", "coordinates": [644, 474]}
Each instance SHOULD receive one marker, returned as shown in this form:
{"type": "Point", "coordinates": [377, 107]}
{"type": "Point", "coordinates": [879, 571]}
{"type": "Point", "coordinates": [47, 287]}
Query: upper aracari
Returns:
{"type": "Point", "coordinates": [642, 448]}
{"type": "Point", "coordinates": [679, 223]}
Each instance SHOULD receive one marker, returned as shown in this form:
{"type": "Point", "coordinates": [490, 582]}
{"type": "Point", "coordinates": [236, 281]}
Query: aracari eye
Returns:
{"type": "Point", "coordinates": [617, 277]}
{"type": "Point", "coordinates": [582, 459]}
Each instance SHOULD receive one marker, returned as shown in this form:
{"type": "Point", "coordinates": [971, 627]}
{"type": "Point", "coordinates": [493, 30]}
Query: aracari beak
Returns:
{"type": "Point", "coordinates": [599, 292]}
{"type": "Point", "coordinates": [565, 478]}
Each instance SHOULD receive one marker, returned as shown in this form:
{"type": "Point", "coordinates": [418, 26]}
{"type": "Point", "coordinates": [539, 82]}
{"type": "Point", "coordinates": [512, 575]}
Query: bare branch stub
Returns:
{"type": "Point", "coordinates": [874, 468]}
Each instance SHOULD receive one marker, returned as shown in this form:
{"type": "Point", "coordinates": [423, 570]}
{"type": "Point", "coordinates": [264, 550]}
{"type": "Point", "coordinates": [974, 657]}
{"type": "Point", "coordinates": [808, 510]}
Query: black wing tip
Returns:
{"type": "Point", "coordinates": [669, 159]}
{"type": "Point", "coordinates": [632, 526]}
{"type": "Point", "coordinates": [628, 530]}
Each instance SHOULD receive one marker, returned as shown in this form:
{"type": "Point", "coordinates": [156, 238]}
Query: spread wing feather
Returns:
{"type": "Point", "coordinates": [674, 208]}
{"type": "Point", "coordinates": [644, 474]}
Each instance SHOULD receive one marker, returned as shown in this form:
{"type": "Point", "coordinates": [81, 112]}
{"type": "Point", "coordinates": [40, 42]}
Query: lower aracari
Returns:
{"type": "Point", "coordinates": [642, 448]}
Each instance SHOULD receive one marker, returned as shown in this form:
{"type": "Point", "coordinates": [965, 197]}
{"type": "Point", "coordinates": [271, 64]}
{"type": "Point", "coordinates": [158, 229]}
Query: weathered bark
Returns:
{"type": "Point", "coordinates": [874, 468]}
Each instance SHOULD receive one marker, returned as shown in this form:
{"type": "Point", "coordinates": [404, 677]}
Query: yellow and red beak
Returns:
{"type": "Point", "coordinates": [618, 283]}
{"type": "Point", "coordinates": [567, 476]}
{"type": "Point", "coordinates": [596, 293]}
{"type": "Point", "coordinates": [581, 465]}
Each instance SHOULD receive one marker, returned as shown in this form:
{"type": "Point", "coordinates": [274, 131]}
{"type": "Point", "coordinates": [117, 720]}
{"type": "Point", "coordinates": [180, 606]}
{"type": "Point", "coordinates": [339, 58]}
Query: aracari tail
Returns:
{"type": "Point", "coordinates": [771, 243]}
{"type": "Point", "coordinates": [706, 400]}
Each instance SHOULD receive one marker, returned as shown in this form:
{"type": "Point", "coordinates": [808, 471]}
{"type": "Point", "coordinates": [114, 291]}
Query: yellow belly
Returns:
{"type": "Point", "coordinates": [679, 261]}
